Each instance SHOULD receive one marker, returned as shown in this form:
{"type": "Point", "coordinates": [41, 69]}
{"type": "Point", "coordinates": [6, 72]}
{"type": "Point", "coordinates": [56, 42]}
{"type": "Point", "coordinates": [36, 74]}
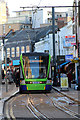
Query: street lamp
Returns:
{"type": "Point", "coordinates": [58, 41]}
{"type": "Point", "coordinates": [58, 30]}
{"type": "Point", "coordinates": [4, 48]}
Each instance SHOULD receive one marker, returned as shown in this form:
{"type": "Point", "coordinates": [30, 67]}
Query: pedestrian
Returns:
{"type": "Point", "coordinates": [14, 75]}
{"type": "Point", "coordinates": [17, 77]}
{"type": "Point", "coordinates": [70, 78]}
{"type": "Point", "coordinates": [2, 73]}
{"type": "Point", "coordinates": [9, 74]}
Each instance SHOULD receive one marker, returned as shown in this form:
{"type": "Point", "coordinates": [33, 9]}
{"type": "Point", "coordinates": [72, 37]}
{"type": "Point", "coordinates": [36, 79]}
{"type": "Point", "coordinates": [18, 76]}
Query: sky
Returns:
{"type": "Point", "coordinates": [14, 5]}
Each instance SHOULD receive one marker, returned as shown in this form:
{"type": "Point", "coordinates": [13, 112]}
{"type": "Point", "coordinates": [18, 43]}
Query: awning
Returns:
{"type": "Point", "coordinates": [59, 66]}
{"type": "Point", "coordinates": [4, 64]}
{"type": "Point", "coordinates": [16, 62]}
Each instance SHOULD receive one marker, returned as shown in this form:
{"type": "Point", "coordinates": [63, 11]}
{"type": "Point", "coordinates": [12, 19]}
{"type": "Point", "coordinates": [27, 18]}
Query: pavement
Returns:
{"type": "Point", "coordinates": [70, 93]}
{"type": "Point", "coordinates": [12, 90]}
{"type": "Point", "coordinates": [6, 94]}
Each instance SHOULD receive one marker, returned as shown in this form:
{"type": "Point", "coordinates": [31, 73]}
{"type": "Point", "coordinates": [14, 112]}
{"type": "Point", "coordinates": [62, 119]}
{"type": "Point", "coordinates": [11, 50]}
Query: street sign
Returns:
{"type": "Point", "coordinates": [68, 57]}
{"type": "Point", "coordinates": [75, 60]}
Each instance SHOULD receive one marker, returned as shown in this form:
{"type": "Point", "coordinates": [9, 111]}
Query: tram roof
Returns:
{"type": "Point", "coordinates": [35, 54]}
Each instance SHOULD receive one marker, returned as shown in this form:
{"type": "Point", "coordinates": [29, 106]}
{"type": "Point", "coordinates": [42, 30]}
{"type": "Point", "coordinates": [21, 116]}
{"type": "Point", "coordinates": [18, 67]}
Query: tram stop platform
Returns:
{"type": "Point", "coordinates": [71, 93]}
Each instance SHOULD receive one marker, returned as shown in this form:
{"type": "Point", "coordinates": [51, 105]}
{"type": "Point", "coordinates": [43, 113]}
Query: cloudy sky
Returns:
{"type": "Point", "coordinates": [15, 5]}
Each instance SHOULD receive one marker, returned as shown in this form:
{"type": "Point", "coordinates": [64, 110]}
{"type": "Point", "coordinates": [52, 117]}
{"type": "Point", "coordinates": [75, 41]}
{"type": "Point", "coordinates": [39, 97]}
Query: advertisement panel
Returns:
{"type": "Point", "coordinates": [69, 41]}
{"type": "Point", "coordinates": [64, 81]}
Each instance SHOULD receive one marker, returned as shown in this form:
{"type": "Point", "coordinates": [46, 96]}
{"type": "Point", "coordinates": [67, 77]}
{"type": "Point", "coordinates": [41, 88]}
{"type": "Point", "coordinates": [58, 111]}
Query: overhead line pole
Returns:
{"type": "Point", "coordinates": [54, 56]}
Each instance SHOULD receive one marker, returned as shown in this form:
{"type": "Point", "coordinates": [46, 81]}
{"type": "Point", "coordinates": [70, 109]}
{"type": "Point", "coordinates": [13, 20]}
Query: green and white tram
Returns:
{"type": "Point", "coordinates": [35, 72]}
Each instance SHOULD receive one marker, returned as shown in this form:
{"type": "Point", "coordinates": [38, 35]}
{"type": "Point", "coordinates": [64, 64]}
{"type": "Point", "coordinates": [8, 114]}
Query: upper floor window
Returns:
{"type": "Point", "coordinates": [27, 48]}
{"type": "Point", "coordinates": [17, 51]}
{"type": "Point", "coordinates": [8, 52]}
{"type": "Point", "coordinates": [22, 49]}
{"type": "Point", "coordinates": [13, 52]}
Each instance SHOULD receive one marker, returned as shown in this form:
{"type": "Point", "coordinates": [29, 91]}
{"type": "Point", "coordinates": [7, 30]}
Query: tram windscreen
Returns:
{"type": "Point", "coordinates": [35, 66]}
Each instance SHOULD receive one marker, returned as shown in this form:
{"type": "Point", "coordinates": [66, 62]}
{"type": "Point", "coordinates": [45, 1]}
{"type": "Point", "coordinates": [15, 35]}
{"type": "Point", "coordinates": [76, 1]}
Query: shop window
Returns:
{"type": "Point", "coordinates": [17, 51]}
{"type": "Point", "coordinates": [27, 48]}
{"type": "Point", "coordinates": [22, 49]}
{"type": "Point", "coordinates": [13, 52]}
{"type": "Point", "coordinates": [8, 52]}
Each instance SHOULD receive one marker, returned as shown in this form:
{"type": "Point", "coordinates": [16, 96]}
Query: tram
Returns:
{"type": "Point", "coordinates": [35, 72]}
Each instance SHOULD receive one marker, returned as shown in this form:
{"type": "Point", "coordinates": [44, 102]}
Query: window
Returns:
{"type": "Point", "coordinates": [17, 51]}
{"type": "Point", "coordinates": [27, 48]}
{"type": "Point", "coordinates": [13, 52]}
{"type": "Point", "coordinates": [22, 49]}
{"type": "Point", "coordinates": [35, 66]}
{"type": "Point", "coordinates": [8, 52]}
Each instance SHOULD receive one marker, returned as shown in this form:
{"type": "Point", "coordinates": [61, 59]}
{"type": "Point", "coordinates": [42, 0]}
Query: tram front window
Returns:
{"type": "Point", "coordinates": [35, 67]}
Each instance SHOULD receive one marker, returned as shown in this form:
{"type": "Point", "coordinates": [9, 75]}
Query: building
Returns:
{"type": "Point", "coordinates": [61, 18]}
{"type": "Point", "coordinates": [23, 41]}
{"type": "Point", "coordinates": [3, 12]}
{"type": "Point", "coordinates": [23, 19]}
{"type": "Point", "coordinates": [46, 43]}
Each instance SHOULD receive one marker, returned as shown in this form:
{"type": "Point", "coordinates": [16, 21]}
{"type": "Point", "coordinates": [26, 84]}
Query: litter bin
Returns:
{"type": "Point", "coordinates": [63, 82]}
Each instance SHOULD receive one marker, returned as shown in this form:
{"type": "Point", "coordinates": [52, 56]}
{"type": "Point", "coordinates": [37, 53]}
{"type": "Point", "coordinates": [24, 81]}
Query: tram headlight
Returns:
{"type": "Point", "coordinates": [22, 81]}
{"type": "Point", "coordinates": [49, 81]}
{"type": "Point", "coordinates": [31, 82]}
{"type": "Point", "coordinates": [40, 82]}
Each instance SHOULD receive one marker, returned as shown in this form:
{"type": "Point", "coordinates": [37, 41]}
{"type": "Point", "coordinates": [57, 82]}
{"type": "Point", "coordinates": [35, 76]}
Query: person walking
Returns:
{"type": "Point", "coordinates": [17, 77]}
{"type": "Point", "coordinates": [14, 75]}
{"type": "Point", "coordinates": [2, 73]}
{"type": "Point", "coordinates": [70, 78]}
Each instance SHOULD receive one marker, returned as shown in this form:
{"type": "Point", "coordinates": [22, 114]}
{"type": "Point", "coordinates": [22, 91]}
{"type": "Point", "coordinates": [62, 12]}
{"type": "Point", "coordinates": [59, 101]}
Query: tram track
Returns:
{"type": "Point", "coordinates": [63, 108]}
{"type": "Point", "coordinates": [10, 114]}
{"type": "Point", "coordinates": [35, 111]}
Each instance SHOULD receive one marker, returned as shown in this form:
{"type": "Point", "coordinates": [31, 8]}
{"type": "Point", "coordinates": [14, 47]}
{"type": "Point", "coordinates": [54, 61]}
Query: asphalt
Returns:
{"type": "Point", "coordinates": [12, 90]}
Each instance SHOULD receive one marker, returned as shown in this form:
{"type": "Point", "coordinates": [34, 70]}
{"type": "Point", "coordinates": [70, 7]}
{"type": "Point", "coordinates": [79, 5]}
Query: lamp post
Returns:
{"type": "Point", "coordinates": [58, 53]}
{"type": "Point", "coordinates": [58, 41]}
{"type": "Point", "coordinates": [54, 56]}
{"type": "Point", "coordinates": [4, 48]}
